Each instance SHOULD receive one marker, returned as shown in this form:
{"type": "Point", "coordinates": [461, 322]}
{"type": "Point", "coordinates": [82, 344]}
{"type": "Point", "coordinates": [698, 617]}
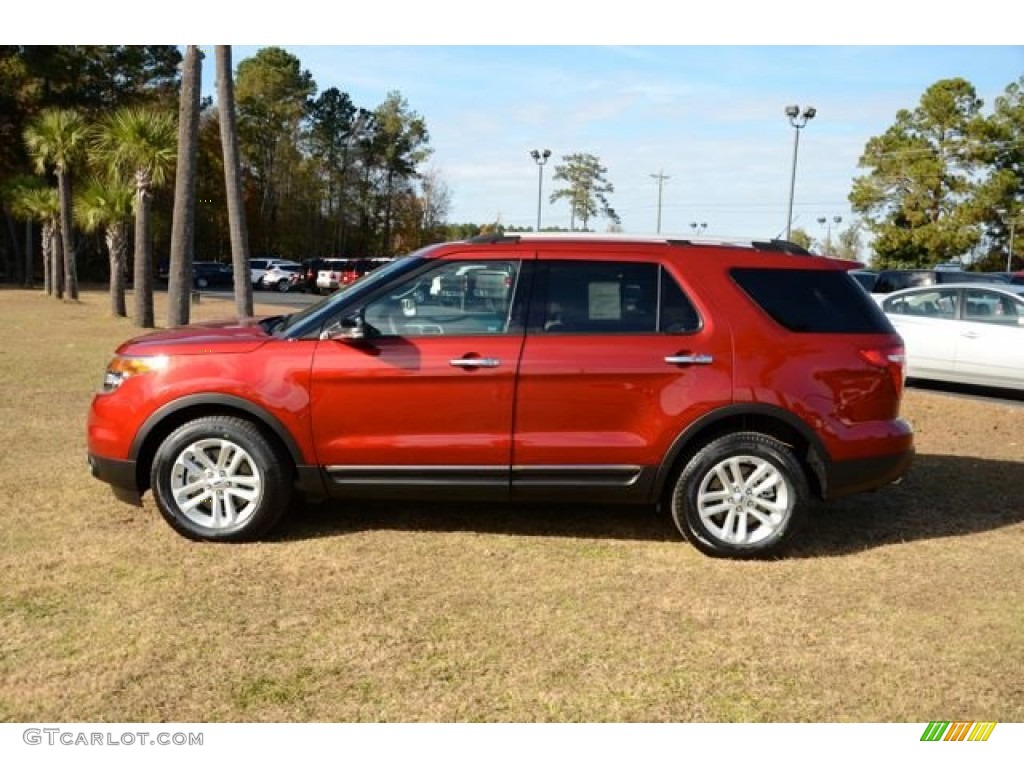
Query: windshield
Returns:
{"type": "Point", "coordinates": [296, 324]}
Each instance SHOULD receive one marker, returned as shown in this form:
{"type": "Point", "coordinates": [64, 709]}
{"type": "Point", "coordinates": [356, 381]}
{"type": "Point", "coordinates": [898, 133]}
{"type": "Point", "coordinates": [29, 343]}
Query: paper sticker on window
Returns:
{"type": "Point", "coordinates": [604, 301]}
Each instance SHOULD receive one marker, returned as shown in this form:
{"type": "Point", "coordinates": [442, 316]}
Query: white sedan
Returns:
{"type": "Point", "coordinates": [967, 333]}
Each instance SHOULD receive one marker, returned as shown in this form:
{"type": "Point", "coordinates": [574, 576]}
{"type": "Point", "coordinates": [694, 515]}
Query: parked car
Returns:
{"type": "Point", "coordinates": [280, 277]}
{"type": "Point", "coordinates": [305, 281]}
{"type": "Point", "coordinates": [964, 333]}
{"type": "Point", "coordinates": [341, 273]}
{"type": "Point", "coordinates": [260, 267]}
{"type": "Point", "coordinates": [727, 383]}
{"type": "Point", "coordinates": [212, 274]}
{"type": "Point", "coordinates": [889, 280]}
{"type": "Point", "coordinates": [1015, 278]}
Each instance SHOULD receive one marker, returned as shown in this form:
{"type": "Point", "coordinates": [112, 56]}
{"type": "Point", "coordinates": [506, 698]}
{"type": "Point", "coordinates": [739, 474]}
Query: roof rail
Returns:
{"type": "Point", "coordinates": [758, 244]}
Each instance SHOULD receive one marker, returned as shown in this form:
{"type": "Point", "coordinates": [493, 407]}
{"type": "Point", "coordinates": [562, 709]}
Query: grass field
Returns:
{"type": "Point", "coordinates": [902, 605]}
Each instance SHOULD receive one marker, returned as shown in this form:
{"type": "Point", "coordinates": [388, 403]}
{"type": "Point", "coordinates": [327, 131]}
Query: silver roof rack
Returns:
{"type": "Point", "coordinates": [760, 244]}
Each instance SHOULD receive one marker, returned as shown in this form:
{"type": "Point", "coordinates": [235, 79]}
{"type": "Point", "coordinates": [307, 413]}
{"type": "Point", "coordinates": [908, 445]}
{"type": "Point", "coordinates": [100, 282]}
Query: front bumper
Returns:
{"type": "Point", "coordinates": [120, 475]}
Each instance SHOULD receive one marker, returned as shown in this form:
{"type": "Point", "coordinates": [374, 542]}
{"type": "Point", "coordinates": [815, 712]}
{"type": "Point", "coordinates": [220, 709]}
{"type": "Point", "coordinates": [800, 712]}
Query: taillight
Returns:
{"type": "Point", "coordinates": [892, 358]}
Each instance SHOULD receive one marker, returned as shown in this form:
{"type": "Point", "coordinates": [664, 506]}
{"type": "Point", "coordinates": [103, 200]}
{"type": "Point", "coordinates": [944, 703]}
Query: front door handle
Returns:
{"type": "Point", "coordinates": [475, 362]}
{"type": "Point", "coordinates": [689, 359]}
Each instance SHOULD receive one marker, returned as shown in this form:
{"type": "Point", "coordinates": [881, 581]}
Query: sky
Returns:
{"type": "Point", "coordinates": [711, 119]}
{"type": "Point", "coordinates": [695, 95]}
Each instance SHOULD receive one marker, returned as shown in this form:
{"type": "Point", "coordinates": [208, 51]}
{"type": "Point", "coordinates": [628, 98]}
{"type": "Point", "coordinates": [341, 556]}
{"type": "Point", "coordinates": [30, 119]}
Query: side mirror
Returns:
{"type": "Point", "coordinates": [351, 328]}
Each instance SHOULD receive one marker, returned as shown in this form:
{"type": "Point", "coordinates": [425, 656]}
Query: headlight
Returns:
{"type": "Point", "coordinates": [121, 368]}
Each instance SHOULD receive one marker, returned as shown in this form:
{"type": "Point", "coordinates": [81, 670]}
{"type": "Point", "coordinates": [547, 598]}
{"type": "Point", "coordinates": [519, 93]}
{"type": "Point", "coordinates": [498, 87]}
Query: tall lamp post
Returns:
{"type": "Point", "coordinates": [540, 158]}
{"type": "Point", "coordinates": [826, 222]}
{"type": "Point", "coordinates": [798, 120]}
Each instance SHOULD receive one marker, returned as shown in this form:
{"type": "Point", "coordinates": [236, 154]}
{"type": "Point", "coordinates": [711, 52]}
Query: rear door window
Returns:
{"type": "Point", "coordinates": [609, 297]}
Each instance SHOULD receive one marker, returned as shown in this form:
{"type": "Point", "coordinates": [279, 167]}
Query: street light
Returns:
{"type": "Point", "coordinates": [540, 158]}
{"type": "Point", "coordinates": [1009, 253]}
{"type": "Point", "coordinates": [828, 236]}
{"type": "Point", "coordinates": [798, 121]}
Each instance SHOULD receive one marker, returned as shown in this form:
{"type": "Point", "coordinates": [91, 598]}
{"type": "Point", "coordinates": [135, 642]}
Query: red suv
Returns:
{"type": "Point", "coordinates": [727, 383]}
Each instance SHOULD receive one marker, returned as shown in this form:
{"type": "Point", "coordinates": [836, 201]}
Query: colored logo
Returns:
{"type": "Point", "coordinates": [944, 730]}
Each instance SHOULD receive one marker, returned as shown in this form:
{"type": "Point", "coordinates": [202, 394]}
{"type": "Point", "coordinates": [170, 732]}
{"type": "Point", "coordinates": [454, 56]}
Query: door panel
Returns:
{"type": "Point", "coordinates": [426, 398]}
{"type": "Point", "coordinates": [990, 340]}
{"type": "Point", "coordinates": [601, 386]}
{"type": "Point", "coordinates": [926, 322]}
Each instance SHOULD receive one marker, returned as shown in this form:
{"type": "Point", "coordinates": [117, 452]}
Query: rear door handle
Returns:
{"type": "Point", "coordinates": [689, 359]}
{"type": "Point", "coordinates": [475, 362]}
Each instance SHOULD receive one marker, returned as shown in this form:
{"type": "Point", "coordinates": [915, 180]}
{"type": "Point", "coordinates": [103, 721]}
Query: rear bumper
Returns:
{"type": "Point", "coordinates": [119, 475]}
{"type": "Point", "coordinates": [857, 475]}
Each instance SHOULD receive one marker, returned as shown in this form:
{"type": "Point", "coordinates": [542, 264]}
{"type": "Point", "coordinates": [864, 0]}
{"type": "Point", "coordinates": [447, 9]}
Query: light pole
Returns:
{"type": "Point", "coordinates": [661, 178]}
{"type": "Point", "coordinates": [1009, 255]}
{"type": "Point", "coordinates": [798, 120]}
{"type": "Point", "coordinates": [540, 158]}
{"type": "Point", "coordinates": [826, 222]}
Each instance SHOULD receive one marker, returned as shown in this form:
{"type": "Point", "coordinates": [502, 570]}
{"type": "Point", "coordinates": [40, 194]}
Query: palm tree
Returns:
{"type": "Point", "coordinates": [233, 182]}
{"type": "Point", "coordinates": [57, 138]}
{"type": "Point", "coordinates": [139, 145]}
{"type": "Point", "coordinates": [106, 205]}
{"type": "Point", "coordinates": [183, 224]}
{"type": "Point", "coordinates": [33, 201]}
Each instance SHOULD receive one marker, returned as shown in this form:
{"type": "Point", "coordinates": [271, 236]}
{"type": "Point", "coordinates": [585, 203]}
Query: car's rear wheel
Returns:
{"type": "Point", "coordinates": [743, 495]}
{"type": "Point", "coordinates": [218, 478]}
{"type": "Point", "coordinates": [282, 286]}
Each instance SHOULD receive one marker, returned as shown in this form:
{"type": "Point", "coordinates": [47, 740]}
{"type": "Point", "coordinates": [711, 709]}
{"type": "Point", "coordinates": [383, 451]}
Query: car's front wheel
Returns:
{"type": "Point", "coordinates": [743, 495]}
{"type": "Point", "coordinates": [218, 478]}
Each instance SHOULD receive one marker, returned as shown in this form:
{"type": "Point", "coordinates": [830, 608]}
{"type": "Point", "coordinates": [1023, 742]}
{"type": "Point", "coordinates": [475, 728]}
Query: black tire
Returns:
{"type": "Point", "coordinates": [202, 282]}
{"type": "Point", "coordinates": [282, 286]}
{"type": "Point", "coordinates": [743, 495]}
{"type": "Point", "coordinates": [240, 483]}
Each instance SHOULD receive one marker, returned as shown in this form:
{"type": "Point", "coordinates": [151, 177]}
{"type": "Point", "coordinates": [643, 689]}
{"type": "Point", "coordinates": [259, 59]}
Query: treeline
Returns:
{"type": "Point", "coordinates": [946, 181]}
{"type": "Point", "coordinates": [321, 175]}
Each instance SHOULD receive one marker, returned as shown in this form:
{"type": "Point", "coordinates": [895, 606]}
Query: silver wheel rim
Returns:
{"type": "Point", "coordinates": [744, 500]}
{"type": "Point", "coordinates": [216, 484]}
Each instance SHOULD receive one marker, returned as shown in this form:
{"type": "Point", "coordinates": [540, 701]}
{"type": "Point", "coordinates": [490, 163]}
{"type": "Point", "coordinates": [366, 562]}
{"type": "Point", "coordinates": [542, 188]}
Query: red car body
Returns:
{"type": "Point", "coordinates": [524, 413]}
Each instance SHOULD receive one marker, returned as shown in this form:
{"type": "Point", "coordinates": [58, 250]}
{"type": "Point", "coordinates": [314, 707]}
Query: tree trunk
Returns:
{"type": "Point", "coordinates": [56, 250]}
{"type": "Point", "coordinates": [179, 287]}
{"type": "Point", "coordinates": [70, 271]}
{"type": "Point", "coordinates": [143, 259]}
{"type": "Point", "coordinates": [116, 241]}
{"type": "Point", "coordinates": [233, 183]}
{"type": "Point", "coordinates": [16, 262]}
{"type": "Point", "coordinates": [46, 244]}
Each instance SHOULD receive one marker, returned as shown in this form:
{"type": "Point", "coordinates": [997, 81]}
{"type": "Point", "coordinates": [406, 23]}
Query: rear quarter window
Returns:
{"type": "Point", "coordinates": [812, 300]}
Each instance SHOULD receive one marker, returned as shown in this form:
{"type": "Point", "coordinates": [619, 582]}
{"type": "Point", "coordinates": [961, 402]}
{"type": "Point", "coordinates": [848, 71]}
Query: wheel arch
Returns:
{"type": "Point", "coordinates": [169, 417]}
{"type": "Point", "coordinates": [771, 420]}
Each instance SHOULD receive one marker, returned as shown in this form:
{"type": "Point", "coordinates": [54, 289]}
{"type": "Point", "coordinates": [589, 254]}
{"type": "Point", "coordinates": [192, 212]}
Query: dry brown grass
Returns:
{"type": "Point", "coordinates": [903, 605]}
